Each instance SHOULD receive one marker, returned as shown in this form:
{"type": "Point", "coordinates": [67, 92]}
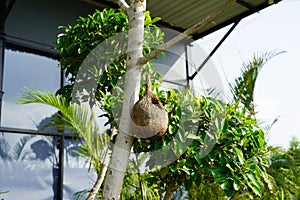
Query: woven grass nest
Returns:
{"type": "Point", "coordinates": [149, 117]}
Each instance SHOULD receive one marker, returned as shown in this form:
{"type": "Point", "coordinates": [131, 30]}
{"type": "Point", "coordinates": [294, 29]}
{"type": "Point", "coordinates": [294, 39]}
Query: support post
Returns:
{"type": "Point", "coordinates": [61, 167]}
{"type": "Point", "coordinates": [2, 49]}
{"type": "Point", "coordinates": [187, 66]}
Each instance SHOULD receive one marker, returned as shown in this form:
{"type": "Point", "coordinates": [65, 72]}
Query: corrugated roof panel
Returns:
{"type": "Point", "coordinates": [227, 15]}
{"type": "Point", "coordinates": [186, 13]}
{"type": "Point", "coordinates": [182, 14]}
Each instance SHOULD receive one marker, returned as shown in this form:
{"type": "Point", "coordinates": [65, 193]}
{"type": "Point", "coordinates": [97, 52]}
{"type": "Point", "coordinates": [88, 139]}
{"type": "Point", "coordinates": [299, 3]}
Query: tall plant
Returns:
{"type": "Point", "coordinates": [80, 120]}
{"type": "Point", "coordinates": [242, 89]}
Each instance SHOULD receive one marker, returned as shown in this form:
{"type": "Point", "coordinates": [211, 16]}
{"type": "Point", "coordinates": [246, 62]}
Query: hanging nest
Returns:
{"type": "Point", "coordinates": [149, 117]}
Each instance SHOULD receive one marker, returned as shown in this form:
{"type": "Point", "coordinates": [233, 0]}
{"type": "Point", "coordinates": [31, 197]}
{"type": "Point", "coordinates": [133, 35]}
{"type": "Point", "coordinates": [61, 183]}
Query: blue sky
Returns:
{"type": "Point", "coordinates": [277, 89]}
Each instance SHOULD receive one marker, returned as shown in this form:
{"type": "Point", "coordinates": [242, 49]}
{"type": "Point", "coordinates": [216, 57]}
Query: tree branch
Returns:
{"type": "Point", "coordinates": [124, 5]}
{"type": "Point", "coordinates": [100, 176]}
{"type": "Point", "coordinates": [185, 34]}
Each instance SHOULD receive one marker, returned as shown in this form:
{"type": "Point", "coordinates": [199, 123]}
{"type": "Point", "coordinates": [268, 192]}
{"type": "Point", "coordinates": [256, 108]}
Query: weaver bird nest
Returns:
{"type": "Point", "coordinates": [149, 117]}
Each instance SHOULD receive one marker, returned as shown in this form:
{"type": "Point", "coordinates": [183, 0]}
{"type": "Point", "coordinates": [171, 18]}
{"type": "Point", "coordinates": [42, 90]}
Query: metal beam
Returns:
{"type": "Point", "coordinates": [34, 132]}
{"type": "Point", "coordinates": [37, 49]}
{"type": "Point", "coordinates": [2, 50]}
{"type": "Point", "coordinates": [187, 65]}
{"type": "Point", "coordinates": [61, 167]}
{"type": "Point", "coordinates": [214, 50]}
{"type": "Point", "coordinates": [234, 19]}
{"type": "Point", "coordinates": [2, 15]}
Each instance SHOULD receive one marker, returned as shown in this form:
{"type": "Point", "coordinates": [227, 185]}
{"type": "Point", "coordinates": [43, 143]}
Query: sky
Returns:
{"type": "Point", "coordinates": [277, 91]}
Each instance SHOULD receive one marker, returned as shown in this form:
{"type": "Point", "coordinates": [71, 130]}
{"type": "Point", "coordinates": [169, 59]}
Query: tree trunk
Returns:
{"type": "Point", "coordinates": [100, 177]}
{"type": "Point", "coordinates": [121, 150]}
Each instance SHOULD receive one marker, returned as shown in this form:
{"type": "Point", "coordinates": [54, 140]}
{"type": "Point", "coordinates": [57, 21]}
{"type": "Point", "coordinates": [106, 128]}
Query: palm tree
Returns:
{"type": "Point", "coordinates": [80, 120]}
{"type": "Point", "coordinates": [242, 89]}
{"type": "Point", "coordinates": [284, 170]}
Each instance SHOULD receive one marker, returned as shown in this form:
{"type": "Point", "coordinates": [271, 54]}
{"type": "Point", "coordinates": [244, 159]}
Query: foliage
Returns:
{"type": "Point", "coordinates": [77, 41]}
{"type": "Point", "coordinates": [285, 170]}
{"type": "Point", "coordinates": [282, 170]}
{"type": "Point", "coordinates": [236, 161]}
{"type": "Point", "coordinates": [3, 192]}
{"type": "Point", "coordinates": [243, 87]}
{"type": "Point", "coordinates": [136, 186]}
{"type": "Point", "coordinates": [207, 190]}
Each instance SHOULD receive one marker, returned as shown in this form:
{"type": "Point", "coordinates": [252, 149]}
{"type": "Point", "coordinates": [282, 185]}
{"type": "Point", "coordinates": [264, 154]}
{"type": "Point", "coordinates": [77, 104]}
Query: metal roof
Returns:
{"type": "Point", "coordinates": [182, 14]}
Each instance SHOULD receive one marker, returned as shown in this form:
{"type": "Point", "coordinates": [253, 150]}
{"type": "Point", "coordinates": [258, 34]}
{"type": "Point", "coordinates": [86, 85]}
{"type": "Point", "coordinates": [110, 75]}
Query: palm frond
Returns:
{"type": "Point", "coordinates": [69, 111]}
{"type": "Point", "coordinates": [243, 87]}
{"type": "Point", "coordinates": [75, 117]}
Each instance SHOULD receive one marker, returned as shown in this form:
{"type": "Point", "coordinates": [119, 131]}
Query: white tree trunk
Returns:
{"type": "Point", "coordinates": [121, 150]}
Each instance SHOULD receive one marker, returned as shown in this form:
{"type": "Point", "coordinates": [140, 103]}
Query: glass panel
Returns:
{"type": "Point", "coordinates": [27, 70]}
{"type": "Point", "coordinates": [28, 166]}
{"type": "Point", "coordinates": [77, 176]}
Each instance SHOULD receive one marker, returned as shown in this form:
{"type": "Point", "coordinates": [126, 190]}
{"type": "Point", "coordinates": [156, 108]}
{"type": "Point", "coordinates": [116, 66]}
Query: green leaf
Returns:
{"type": "Point", "coordinates": [254, 180]}
{"type": "Point", "coordinates": [224, 125]}
{"type": "Point", "coordinates": [236, 183]}
{"type": "Point", "coordinates": [181, 163]}
{"type": "Point", "coordinates": [194, 137]}
{"type": "Point", "coordinates": [220, 178]}
{"type": "Point", "coordinates": [199, 158]}
{"type": "Point", "coordinates": [186, 170]}
{"type": "Point", "coordinates": [156, 19]}
{"type": "Point", "coordinates": [182, 134]}
{"type": "Point", "coordinates": [173, 168]}
{"type": "Point", "coordinates": [225, 186]}
{"type": "Point", "coordinates": [3, 192]}
{"type": "Point", "coordinates": [216, 171]}
{"type": "Point", "coordinates": [70, 48]}
{"type": "Point", "coordinates": [148, 19]}
{"type": "Point", "coordinates": [239, 154]}
{"type": "Point", "coordinates": [163, 172]}
{"type": "Point", "coordinates": [172, 129]}
{"type": "Point", "coordinates": [178, 111]}
{"type": "Point", "coordinates": [218, 124]}
{"type": "Point", "coordinates": [256, 190]}
{"type": "Point", "coordinates": [229, 167]}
